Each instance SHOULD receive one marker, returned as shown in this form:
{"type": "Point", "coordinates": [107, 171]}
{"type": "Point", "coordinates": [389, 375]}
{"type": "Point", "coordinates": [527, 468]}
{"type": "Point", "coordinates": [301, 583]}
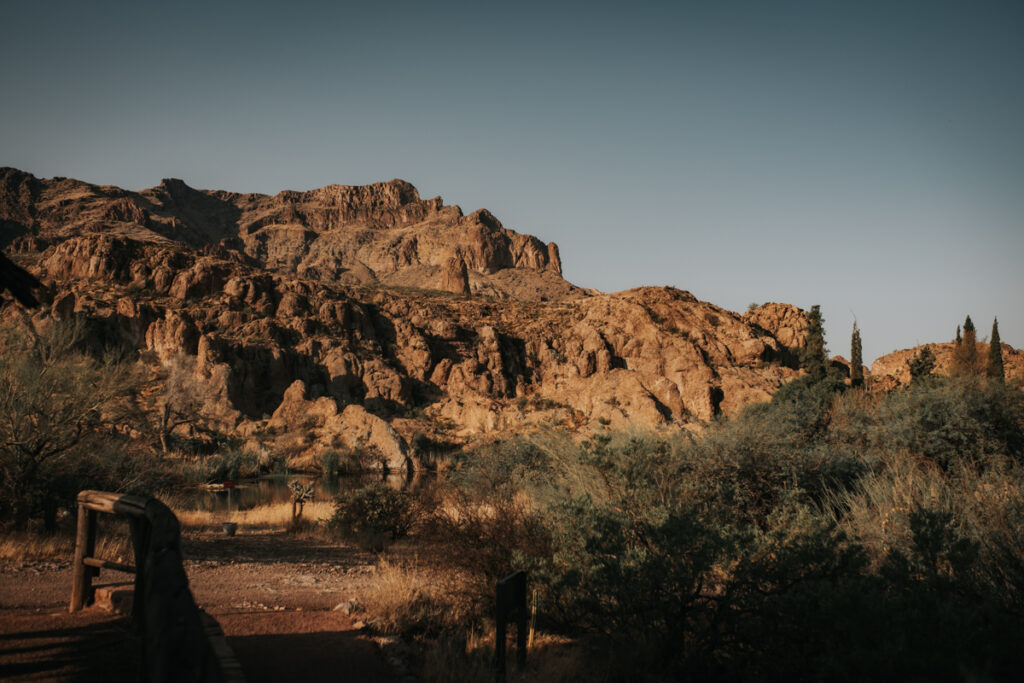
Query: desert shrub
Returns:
{"type": "Point", "coordinates": [355, 461]}
{"type": "Point", "coordinates": [435, 454]}
{"type": "Point", "coordinates": [487, 510]}
{"type": "Point", "coordinates": [373, 515]}
{"type": "Point", "coordinates": [950, 420]}
{"type": "Point", "coordinates": [798, 413]}
{"type": "Point", "coordinates": [408, 599]}
{"type": "Point", "coordinates": [60, 399]}
{"type": "Point", "coordinates": [620, 574]}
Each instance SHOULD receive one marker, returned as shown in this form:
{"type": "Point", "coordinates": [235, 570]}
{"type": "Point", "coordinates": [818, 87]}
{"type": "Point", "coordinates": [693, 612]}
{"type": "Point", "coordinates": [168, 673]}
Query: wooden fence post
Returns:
{"type": "Point", "coordinates": [85, 546]}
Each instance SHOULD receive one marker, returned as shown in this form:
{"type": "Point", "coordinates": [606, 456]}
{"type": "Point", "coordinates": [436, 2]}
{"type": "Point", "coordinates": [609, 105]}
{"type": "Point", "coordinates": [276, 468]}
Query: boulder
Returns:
{"type": "Point", "coordinates": [363, 430]}
{"type": "Point", "coordinates": [455, 276]}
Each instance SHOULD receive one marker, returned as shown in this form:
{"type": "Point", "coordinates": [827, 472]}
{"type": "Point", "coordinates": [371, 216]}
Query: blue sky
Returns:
{"type": "Point", "coordinates": [865, 156]}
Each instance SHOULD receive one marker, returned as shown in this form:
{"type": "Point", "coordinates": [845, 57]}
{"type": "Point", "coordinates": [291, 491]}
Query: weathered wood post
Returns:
{"type": "Point", "coordinates": [176, 645]}
{"type": "Point", "coordinates": [86, 565]}
{"type": "Point", "coordinates": [510, 600]}
{"type": "Point", "coordinates": [85, 546]}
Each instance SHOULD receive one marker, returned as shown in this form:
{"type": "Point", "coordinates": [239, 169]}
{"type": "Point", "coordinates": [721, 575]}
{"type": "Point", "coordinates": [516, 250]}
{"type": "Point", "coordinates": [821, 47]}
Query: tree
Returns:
{"type": "Point", "coordinates": [55, 403]}
{"type": "Point", "coordinates": [856, 362]}
{"type": "Point", "coordinates": [966, 360]}
{"type": "Point", "coordinates": [995, 354]}
{"type": "Point", "coordinates": [180, 403]}
{"type": "Point", "coordinates": [813, 357]}
{"type": "Point", "coordinates": [922, 364]}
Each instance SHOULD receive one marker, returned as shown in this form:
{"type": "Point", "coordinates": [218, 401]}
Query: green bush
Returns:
{"type": "Point", "coordinates": [228, 464]}
{"type": "Point", "coordinates": [373, 515]}
{"type": "Point", "coordinates": [951, 420]}
{"type": "Point", "coordinates": [825, 535]}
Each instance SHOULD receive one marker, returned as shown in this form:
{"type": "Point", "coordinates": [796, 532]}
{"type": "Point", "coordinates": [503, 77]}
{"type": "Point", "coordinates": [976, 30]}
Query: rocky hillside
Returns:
{"type": "Point", "coordinates": [361, 316]}
{"type": "Point", "coordinates": [893, 370]}
{"type": "Point", "coordinates": [381, 233]}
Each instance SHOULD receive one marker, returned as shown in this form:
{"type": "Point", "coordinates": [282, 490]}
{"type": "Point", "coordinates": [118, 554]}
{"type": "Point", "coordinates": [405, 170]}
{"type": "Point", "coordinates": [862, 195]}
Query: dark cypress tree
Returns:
{"type": "Point", "coordinates": [995, 354]}
{"type": "Point", "coordinates": [959, 340]}
{"type": "Point", "coordinates": [856, 362]}
{"type": "Point", "coordinates": [812, 357]}
{"type": "Point", "coordinates": [965, 355]}
{"type": "Point", "coordinates": [922, 364]}
{"type": "Point", "coordinates": [970, 348]}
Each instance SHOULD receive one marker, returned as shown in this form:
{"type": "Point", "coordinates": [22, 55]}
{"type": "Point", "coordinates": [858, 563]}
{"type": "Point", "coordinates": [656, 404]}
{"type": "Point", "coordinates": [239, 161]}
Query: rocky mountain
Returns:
{"type": "Point", "coordinates": [362, 316]}
{"type": "Point", "coordinates": [373, 234]}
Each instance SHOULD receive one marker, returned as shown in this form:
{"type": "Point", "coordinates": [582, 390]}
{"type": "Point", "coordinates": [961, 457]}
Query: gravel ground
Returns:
{"type": "Point", "coordinates": [273, 594]}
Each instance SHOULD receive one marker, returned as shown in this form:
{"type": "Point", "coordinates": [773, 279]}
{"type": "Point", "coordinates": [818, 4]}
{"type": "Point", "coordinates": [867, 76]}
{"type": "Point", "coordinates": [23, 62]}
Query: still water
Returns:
{"type": "Point", "coordinates": [274, 489]}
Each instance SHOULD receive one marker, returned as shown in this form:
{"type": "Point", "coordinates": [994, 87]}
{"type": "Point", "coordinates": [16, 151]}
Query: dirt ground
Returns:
{"type": "Point", "coordinates": [273, 594]}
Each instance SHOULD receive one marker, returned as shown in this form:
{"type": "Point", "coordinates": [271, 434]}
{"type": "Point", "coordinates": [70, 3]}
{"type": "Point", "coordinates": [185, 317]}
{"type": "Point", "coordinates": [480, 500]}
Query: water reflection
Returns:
{"type": "Point", "coordinates": [274, 489]}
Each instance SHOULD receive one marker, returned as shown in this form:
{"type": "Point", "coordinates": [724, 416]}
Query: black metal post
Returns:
{"type": "Point", "coordinates": [510, 600]}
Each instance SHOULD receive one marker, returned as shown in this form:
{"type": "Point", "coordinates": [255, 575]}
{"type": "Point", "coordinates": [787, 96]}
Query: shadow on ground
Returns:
{"type": "Point", "coordinates": [86, 646]}
{"type": "Point", "coordinates": [302, 646]}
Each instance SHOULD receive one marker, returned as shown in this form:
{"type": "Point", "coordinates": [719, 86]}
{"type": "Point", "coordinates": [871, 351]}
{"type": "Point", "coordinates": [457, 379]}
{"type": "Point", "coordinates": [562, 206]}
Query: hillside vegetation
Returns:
{"type": "Point", "coordinates": [826, 535]}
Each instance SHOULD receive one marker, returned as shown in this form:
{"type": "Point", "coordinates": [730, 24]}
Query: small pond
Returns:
{"type": "Point", "coordinates": [269, 489]}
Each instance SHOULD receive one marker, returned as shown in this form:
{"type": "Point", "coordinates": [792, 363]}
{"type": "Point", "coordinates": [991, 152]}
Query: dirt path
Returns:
{"type": "Point", "coordinates": [57, 646]}
{"type": "Point", "coordinates": [272, 593]}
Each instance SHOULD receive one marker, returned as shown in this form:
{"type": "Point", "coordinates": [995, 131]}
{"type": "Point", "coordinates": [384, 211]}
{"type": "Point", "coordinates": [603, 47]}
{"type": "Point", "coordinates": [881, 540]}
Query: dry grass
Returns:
{"type": "Point", "coordinates": [272, 516]}
{"type": "Point", "coordinates": [407, 597]}
{"type": "Point", "coordinates": [27, 547]}
{"type": "Point", "coordinates": [878, 512]}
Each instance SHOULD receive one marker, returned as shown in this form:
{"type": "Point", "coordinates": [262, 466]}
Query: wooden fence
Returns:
{"type": "Point", "coordinates": [179, 641]}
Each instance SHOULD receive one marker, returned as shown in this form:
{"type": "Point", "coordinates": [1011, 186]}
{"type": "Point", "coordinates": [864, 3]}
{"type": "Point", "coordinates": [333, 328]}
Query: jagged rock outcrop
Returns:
{"type": "Point", "coordinates": [364, 234]}
{"type": "Point", "coordinates": [314, 318]}
{"type": "Point", "coordinates": [455, 276]}
{"type": "Point", "coordinates": [785, 322]}
{"type": "Point", "coordinates": [354, 426]}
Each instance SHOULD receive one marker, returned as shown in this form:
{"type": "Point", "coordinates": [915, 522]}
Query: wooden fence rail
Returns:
{"type": "Point", "coordinates": [177, 644]}
{"type": "Point", "coordinates": [86, 567]}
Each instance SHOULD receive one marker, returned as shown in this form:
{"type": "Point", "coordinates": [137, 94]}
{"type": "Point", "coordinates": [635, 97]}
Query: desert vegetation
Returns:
{"type": "Point", "coordinates": [65, 406]}
{"type": "Point", "coordinates": [831, 534]}
{"type": "Point", "coordinates": [840, 531]}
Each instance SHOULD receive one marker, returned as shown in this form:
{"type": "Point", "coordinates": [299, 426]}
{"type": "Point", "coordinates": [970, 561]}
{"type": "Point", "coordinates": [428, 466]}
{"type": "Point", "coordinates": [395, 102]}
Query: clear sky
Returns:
{"type": "Point", "coordinates": [865, 156]}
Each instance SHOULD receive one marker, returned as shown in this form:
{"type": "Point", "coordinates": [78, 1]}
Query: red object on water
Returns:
{"type": "Point", "coordinates": [228, 484]}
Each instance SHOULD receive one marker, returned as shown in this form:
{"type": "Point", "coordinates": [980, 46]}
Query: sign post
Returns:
{"type": "Point", "coordinates": [229, 527]}
{"type": "Point", "coordinates": [510, 600]}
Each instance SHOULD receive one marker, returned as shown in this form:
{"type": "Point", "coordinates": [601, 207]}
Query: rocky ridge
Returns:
{"type": "Point", "coordinates": [361, 316]}
{"type": "Point", "coordinates": [893, 369]}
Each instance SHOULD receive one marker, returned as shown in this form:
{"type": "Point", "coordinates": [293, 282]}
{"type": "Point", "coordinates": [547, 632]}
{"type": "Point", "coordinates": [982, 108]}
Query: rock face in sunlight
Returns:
{"type": "Point", "coordinates": [364, 315]}
{"type": "Point", "coordinates": [893, 369]}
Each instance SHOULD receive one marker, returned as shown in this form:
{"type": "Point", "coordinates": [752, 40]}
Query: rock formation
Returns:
{"type": "Point", "coordinates": [326, 317]}
{"type": "Point", "coordinates": [455, 277]}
